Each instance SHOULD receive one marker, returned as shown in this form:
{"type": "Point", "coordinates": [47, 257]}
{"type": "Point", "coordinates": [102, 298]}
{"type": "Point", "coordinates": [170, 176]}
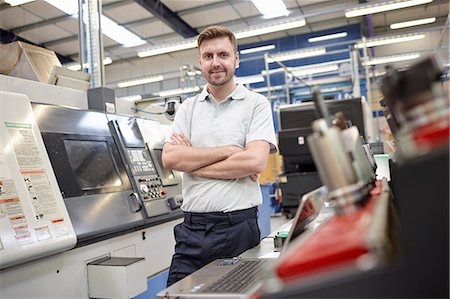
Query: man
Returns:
{"type": "Point", "coordinates": [221, 140]}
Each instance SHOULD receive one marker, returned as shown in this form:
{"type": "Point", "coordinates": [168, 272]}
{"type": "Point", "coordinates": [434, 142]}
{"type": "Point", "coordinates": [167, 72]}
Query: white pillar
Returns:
{"type": "Point", "coordinates": [90, 40]}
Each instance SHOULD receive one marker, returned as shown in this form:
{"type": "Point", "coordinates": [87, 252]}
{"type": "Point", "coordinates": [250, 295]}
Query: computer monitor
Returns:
{"type": "Point", "coordinates": [294, 149]}
{"type": "Point", "coordinates": [295, 125]}
{"type": "Point", "coordinates": [303, 114]}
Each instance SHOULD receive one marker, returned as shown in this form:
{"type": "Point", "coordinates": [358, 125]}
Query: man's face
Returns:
{"type": "Point", "coordinates": [218, 61]}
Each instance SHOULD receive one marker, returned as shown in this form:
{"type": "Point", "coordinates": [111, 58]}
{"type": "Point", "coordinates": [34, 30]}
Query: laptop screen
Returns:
{"type": "Point", "coordinates": [308, 209]}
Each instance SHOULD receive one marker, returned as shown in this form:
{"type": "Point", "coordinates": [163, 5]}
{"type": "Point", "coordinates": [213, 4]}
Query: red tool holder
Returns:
{"type": "Point", "coordinates": [432, 135]}
{"type": "Point", "coordinates": [334, 244]}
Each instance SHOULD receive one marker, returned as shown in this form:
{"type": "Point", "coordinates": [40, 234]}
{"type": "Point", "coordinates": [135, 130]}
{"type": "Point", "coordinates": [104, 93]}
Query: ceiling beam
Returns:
{"type": "Point", "coordinates": [170, 18]}
{"type": "Point", "coordinates": [9, 37]}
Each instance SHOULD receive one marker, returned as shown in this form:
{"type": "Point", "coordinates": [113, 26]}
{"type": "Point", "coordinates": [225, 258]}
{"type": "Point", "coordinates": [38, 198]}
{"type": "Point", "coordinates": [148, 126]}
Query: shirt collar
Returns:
{"type": "Point", "coordinates": [204, 94]}
{"type": "Point", "coordinates": [237, 94]}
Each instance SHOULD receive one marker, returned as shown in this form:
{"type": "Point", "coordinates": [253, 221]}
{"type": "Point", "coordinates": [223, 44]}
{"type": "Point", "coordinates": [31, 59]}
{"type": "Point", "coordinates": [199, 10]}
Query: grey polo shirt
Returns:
{"type": "Point", "coordinates": [243, 117]}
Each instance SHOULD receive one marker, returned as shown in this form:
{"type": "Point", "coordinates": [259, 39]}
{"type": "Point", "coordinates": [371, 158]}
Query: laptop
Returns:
{"type": "Point", "coordinates": [240, 277]}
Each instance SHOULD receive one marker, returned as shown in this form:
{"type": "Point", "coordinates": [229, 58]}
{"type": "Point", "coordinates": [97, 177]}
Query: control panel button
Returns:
{"type": "Point", "coordinates": [144, 188]}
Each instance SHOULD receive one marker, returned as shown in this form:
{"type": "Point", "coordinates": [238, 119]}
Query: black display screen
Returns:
{"type": "Point", "coordinates": [167, 173]}
{"type": "Point", "coordinates": [92, 164]}
{"type": "Point", "coordinates": [131, 133]}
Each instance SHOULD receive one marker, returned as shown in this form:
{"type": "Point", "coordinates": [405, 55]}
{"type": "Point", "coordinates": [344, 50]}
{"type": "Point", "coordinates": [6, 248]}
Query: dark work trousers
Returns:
{"type": "Point", "coordinates": [204, 237]}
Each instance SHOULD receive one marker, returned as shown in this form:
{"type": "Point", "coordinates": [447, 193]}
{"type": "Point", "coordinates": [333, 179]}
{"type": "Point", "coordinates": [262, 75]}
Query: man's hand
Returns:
{"type": "Point", "coordinates": [179, 138]}
{"type": "Point", "coordinates": [254, 177]}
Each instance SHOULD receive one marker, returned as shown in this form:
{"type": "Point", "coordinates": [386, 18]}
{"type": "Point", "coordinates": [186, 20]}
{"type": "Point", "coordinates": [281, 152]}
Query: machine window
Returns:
{"type": "Point", "coordinates": [92, 163]}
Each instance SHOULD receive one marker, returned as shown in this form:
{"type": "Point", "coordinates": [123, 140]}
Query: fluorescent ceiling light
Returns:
{"type": "Point", "coordinates": [168, 49]}
{"type": "Point", "coordinates": [70, 7]}
{"type": "Point", "coordinates": [265, 89]}
{"type": "Point", "coordinates": [412, 23]}
{"type": "Point", "coordinates": [249, 79]}
{"type": "Point", "coordinates": [74, 67]}
{"type": "Point", "coordinates": [257, 49]}
{"type": "Point", "coordinates": [133, 98]}
{"type": "Point", "coordinates": [270, 28]}
{"type": "Point", "coordinates": [380, 73]}
{"type": "Point", "coordinates": [140, 81]}
{"type": "Point", "coordinates": [194, 73]}
{"type": "Point", "coordinates": [384, 6]}
{"type": "Point", "coordinates": [77, 66]}
{"type": "Point", "coordinates": [118, 33]}
{"type": "Point", "coordinates": [304, 71]}
{"type": "Point", "coordinates": [17, 2]}
{"type": "Point", "coordinates": [107, 61]}
{"type": "Point", "coordinates": [177, 91]}
{"type": "Point", "coordinates": [389, 40]}
{"type": "Point", "coordinates": [109, 28]}
{"type": "Point", "coordinates": [271, 9]}
{"type": "Point", "coordinates": [327, 37]}
{"type": "Point", "coordinates": [323, 90]}
{"type": "Point", "coordinates": [322, 65]}
{"type": "Point", "coordinates": [296, 55]}
{"type": "Point", "coordinates": [330, 89]}
{"type": "Point", "coordinates": [395, 58]}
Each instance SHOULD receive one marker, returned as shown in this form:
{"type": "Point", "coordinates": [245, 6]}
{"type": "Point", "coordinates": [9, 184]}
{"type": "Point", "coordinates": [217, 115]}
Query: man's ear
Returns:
{"type": "Point", "coordinates": [236, 64]}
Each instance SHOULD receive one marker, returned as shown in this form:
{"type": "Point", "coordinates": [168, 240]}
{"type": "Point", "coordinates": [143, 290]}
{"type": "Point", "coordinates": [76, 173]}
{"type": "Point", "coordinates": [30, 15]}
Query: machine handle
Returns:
{"type": "Point", "coordinates": [137, 201]}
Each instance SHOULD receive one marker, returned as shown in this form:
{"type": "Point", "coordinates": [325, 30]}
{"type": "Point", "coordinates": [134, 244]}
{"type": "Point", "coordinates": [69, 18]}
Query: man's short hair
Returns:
{"type": "Point", "coordinates": [213, 32]}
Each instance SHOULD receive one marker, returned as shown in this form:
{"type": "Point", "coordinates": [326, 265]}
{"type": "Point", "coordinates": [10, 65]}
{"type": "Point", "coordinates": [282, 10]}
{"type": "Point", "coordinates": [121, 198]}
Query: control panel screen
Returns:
{"type": "Point", "coordinates": [92, 163]}
{"type": "Point", "coordinates": [131, 134]}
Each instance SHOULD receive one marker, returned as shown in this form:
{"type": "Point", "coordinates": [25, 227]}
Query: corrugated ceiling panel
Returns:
{"type": "Point", "coordinates": [44, 34]}
{"type": "Point", "coordinates": [152, 29]}
{"type": "Point", "coordinates": [71, 25]}
{"type": "Point", "coordinates": [127, 13]}
{"type": "Point", "coordinates": [67, 48]}
{"type": "Point", "coordinates": [16, 17]}
{"type": "Point", "coordinates": [210, 17]}
{"type": "Point", "coordinates": [177, 5]}
{"type": "Point", "coordinates": [43, 9]}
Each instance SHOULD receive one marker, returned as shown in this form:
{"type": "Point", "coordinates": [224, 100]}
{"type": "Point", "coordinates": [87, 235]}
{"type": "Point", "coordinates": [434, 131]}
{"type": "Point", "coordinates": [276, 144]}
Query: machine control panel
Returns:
{"type": "Point", "coordinates": [141, 161]}
{"type": "Point", "coordinates": [150, 187]}
{"type": "Point", "coordinates": [144, 173]}
{"type": "Point", "coordinates": [141, 166]}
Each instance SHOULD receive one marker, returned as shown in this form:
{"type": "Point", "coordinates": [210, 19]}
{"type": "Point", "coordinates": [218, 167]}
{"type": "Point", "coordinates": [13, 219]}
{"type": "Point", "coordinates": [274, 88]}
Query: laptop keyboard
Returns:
{"type": "Point", "coordinates": [238, 279]}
